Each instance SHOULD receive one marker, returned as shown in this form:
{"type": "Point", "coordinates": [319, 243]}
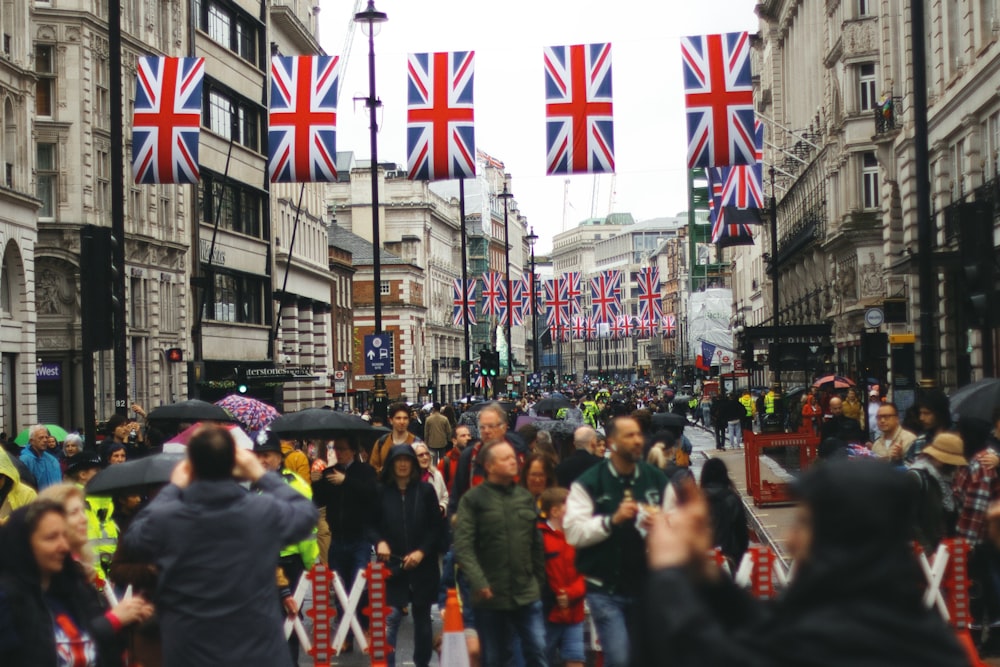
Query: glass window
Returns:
{"type": "Point", "coordinates": [219, 24]}
{"type": "Point", "coordinates": [869, 181]}
{"type": "Point", "coordinates": [384, 287]}
{"type": "Point", "coordinates": [864, 7]}
{"type": "Point", "coordinates": [866, 92]}
{"type": "Point", "coordinates": [46, 82]}
{"type": "Point", "coordinates": [102, 105]}
{"type": "Point", "coordinates": [238, 298]}
{"type": "Point", "coordinates": [102, 197]}
{"type": "Point", "coordinates": [46, 175]}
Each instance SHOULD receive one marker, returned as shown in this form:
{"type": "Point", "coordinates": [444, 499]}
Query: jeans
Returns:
{"type": "Point", "coordinates": [706, 416]}
{"type": "Point", "coordinates": [346, 558]}
{"type": "Point", "coordinates": [735, 434]}
{"type": "Point", "coordinates": [423, 635]}
{"type": "Point", "coordinates": [564, 642]}
{"type": "Point", "coordinates": [609, 612]}
{"type": "Point", "coordinates": [495, 626]}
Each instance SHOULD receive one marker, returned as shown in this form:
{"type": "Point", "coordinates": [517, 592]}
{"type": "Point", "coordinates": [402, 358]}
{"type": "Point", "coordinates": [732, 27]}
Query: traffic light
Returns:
{"type": "Point", "coordinates": [175, 354]}
{"type": "Point", "coordinates": [978, 259]}
{"type": "Point", "coordinates": [241, 381]}
{"type": "Point", "coordinates": [485, 359]}
{"type": "Point", "coordinates": [494, 363]}
{"type": "Point", "coordinates": [98, 278]}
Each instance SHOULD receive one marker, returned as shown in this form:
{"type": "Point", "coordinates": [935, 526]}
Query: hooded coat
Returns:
{"type": "Point", "coordinates": [855, 601]}
{"type": "Point", "coordinates": [27, 635]}
{"type": "Point", "coordinates": [408, 520]}
{"type": "Point", "coordinates": [14, 494]}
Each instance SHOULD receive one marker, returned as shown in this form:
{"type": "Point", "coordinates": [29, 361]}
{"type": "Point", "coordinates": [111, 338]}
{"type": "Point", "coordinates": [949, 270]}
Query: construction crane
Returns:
{"type": "Point", "coordinates": [611, 194]}
{"type": "Point", "coordinates": [345, 53]}
{"type": "Point", "coordinates": [566, 203]}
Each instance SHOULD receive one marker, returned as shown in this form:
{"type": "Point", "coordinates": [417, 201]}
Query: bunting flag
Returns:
{"type": "Point", "coordinates": [579, 131]}
{"type": "Point", "coordinates": [719, 99]}
{"type": "Point", "coordinates": [617, 328]}
{"type": "Point", "coordinates": [668, 326]}
{"type": "Point", "coordinates": [557, 306]}
{"type": "Point", "coordinates": [302, 119]}
{"type": "Point", "coordinates": [650, 301]}
{"type": "Point", "coordinates": [462, 306]}
{"type": "Point", "coordinates": [605, 296]}
{"type": "Point", "coordinates": [440, 136]}
{"type": "Point", "coordinates": [516, 304]}
{"type": "Point", "coordinates": [494, 293]}
{"type": "Point", "coordinates": [725, 234]}
{"type": "Point", "coordinates": [646, 329]}
{"type": "Point", "coordinates": [591, 328]}
{"type": "Point", "coordinates": [569, 286]}
{"type": "Point", "coordinates": [166, 120]}
{"type": "Point", "coordinates": [627, 326]}
{"type": "Point", "coordinates": [526, 306]}
{"type": "Point", "coordinates": [579, 328]}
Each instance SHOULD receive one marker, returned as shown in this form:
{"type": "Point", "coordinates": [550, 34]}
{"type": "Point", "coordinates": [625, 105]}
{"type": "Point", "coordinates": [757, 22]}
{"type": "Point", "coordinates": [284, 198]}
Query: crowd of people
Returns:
{"type": "Point", "coordinates": [538, 513]}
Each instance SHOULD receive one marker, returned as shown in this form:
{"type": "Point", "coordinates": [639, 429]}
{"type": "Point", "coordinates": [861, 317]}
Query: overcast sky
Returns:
{"type": "Point", "coordinates": [508, 37]}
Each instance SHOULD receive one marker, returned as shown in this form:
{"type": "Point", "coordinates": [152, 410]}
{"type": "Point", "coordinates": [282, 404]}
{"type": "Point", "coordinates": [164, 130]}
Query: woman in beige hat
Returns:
{"type": "Point", "coordinates": [931, 476]}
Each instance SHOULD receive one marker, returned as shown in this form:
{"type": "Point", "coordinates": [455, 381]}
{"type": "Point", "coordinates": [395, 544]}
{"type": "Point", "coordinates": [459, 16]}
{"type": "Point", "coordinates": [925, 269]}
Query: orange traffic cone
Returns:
{"type": "Point", "coordinates": [454, 652]}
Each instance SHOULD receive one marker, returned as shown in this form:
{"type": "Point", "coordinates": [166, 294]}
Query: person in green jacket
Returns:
{"type": "Point", "coordinates": [606, 513]}
{"type": "Point", "coordinates": [498, 546]}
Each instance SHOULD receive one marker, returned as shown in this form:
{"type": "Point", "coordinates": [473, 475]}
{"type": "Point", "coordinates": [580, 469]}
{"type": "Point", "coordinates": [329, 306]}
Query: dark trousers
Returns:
{"type": "Point", "coordinates": [346, 558]}
{"type": "Point", "coordinates": [720, 433]}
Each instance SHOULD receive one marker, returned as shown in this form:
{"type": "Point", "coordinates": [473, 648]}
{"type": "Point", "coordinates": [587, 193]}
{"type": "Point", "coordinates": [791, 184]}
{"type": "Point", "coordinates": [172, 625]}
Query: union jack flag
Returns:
{"type": "Point", "coordinates": [605, 296]}
{"type": "Point", "coordinates": [516, 305]}
{"type": "Point", "coordinates": [560, 332]}
{"type": "Point", "coordinates": [166, 119]}
{"type": "Point", "coordinates": [526, 306]}
{"type": "Point", "coordinates": [650, 304]}
{"type": "Point", "coordinates": [302, 120]}
{"type": "Point", "coordinates": [579, 131]}
{"type": "Point", "coordinates": [724, 232]}
{"type": "Point", "coordinates": [461, 305]}
{"type": "Point", "coordinates": [668, 326]}
{"type": "Point", "coordinates": [617, 327]}
{"type": "Point", "coordinates": [557, 306]}
{"type": "Point", "coordinates": [483, 382]}
{"type": "Point", "coordinates": [440, 136]}
{"type": "Point", "coordinates": [494, 293]}
{"type": "Point", "coordinates": [627, 326]}
{"type": "Point", "coordinates": [742, 194]}
{"type": "Point", "coordinates": [719, 100]}
{"type": "Point", "coordinates": [569, 285]}
{"type": "Point", "coordinates": [580, 328]}
{"type": "Point", "coordinates": [591, 324]}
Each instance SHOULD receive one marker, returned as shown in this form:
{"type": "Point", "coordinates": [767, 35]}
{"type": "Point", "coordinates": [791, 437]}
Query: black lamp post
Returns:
{"type": "Point", "coordinates": [371, 18]}
{"type": "Point", "coordinates": [532, 238]}
{"type": "Point", "coordinates": [506, 197]}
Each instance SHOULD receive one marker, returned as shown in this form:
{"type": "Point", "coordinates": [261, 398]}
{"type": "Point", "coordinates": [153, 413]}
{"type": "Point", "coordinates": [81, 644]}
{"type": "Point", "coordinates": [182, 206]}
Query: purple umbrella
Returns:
{"type": "Point", "coordinates": [252, 414]}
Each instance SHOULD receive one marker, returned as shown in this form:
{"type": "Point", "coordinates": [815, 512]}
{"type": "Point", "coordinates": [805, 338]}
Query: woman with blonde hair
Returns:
{"type": "Point", "coordinates": [71, 498]}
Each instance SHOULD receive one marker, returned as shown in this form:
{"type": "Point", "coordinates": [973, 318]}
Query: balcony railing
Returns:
{"type": "Point", "coordinates": [887, 115]}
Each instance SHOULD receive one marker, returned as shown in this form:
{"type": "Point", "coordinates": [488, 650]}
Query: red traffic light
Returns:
{"type": "Point", "coordinates": [175, 354]}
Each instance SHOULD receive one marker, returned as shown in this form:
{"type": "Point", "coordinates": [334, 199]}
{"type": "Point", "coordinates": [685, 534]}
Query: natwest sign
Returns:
{"type": "Point", "coordinates": [50, 370]}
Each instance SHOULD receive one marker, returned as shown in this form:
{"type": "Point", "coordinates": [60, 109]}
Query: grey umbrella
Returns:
{"type": "Point", "coordinates": [977, 400]}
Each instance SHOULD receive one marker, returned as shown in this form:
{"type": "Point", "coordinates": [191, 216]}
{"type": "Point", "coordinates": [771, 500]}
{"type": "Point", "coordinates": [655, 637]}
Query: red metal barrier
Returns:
{"type": "Point", "coordinates": [321, 613]}
{"type": "Point", "coordinates": [376, 610]}
{"type": "Point", "coordinates": [765, 492]}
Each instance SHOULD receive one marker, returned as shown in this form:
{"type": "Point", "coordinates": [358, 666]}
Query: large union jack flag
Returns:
{"type": "Point", "coordinates": [650, 303]}
{"type": "Point", "coordinates": [302, 120]}
{"type": "Point", "coordinates": [460, 305]}
{"type": "Point", "coordinates": [579, 131]}
{"type": "Point", "coordinates": [557, 306]}
{"type": "Point", "coordinates": [719, 99]}
{"type": "Point", "coordinates": [167, 119]}
{"type": "Point", "coordinates": [516, 307]}
{"type": "Point", "coordinates": [494, 293]}
{"type": "Point", "coordinates": [569, 286]}
{"type": "Point", "coordinates": [742, 196]}
{"type": "Point", "coordinates": [668, 326]}
{"type": "Point", "coordinates": [725, 232]}
{"type": "Point", "coordinates": [440, 137]}
{"type": "Point", "coordinates": [526, 305]}
{"type": "Point", "coordinates": [605, 296]}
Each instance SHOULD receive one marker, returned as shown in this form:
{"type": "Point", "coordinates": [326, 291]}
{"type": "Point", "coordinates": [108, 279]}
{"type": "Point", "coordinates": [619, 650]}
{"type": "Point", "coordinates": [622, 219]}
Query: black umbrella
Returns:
{"type": "Point", "coordinates": [506, 405]}
{"type": "Point", "coordinates": [667, 420]}
{"type": "Point", "coordinates": [977, 400]}
{"type": "Point", "coordinates": [320, 423]}
{"type": "Point", "coordinates": [191, 410]}
{"type": "Point", "coordinates": [552, 404]}
{"type": "Point", "coordinates": [154, 469]}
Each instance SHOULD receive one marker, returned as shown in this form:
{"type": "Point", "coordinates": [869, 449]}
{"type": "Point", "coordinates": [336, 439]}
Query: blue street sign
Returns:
{"type": "Point", "coordinates": [378, 354]}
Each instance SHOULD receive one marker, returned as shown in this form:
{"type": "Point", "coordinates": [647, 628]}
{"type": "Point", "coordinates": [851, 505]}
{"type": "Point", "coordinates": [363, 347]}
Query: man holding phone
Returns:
{"type": "Point", "coordinates": [605, 515]}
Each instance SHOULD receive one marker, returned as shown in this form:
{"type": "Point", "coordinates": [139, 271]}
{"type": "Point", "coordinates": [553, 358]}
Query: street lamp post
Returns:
{"type": "Point", "coordinates": [506, 196]}
{"type": "Point", "coordinates": [371, 18]}
{"type": "Point", "coordinates": [532, 238]}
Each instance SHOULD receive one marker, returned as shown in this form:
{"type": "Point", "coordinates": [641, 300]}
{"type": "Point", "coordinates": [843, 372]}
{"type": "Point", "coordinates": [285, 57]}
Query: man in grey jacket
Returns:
{"type": "Point", "coordinates": [216, 546]}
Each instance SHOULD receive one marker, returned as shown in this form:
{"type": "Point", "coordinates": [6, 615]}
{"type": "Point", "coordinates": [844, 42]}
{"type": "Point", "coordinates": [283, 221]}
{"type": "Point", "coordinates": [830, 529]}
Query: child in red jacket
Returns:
{"type": "Point", "coordinates": [563, 598]}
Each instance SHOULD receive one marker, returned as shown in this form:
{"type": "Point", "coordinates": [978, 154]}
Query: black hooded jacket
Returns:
{"type": "Point", "coordinates": [855, 601]}
{"type": "Point", "coordinates": [27, 633]}
{"type": "Point", "coordinates": [408, 520]}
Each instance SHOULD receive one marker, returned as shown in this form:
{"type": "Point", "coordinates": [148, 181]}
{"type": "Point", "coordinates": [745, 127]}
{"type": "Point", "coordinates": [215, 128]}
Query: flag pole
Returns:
{"type": "Point", "coordinates": [467, 362]}
{"type": "Point", "coordinates": [118, 203]}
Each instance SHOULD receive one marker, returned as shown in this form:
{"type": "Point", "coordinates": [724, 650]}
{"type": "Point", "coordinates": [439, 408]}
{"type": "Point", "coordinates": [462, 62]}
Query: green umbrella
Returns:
{"type": "Point", "coordinates": [58, 431]}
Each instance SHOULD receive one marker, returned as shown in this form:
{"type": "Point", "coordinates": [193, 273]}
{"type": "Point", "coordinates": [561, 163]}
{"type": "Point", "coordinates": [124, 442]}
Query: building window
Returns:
{"type": "Point", "coordinates": [239, 207]}
{"type": "Point", "coordinates": [102, 97]}
{"type": "Point", "coordinates": [45, 86]}
{"type": "Point", "coordinates": [995, 143]}
{"type": "Point", "coordinates": [227, 112]}
{"type": "Point", "coordinates": [864, 7]}
{"type": "Point", "coordinates": [231, 27]}
{"type": "Point", "coordinates": [102, 195]}
{"type": "Point", "coordinates": [168, 309]}
{"type": "Point", "coordinates": [46, 175]}
{"type": "Point", "coordinates": [869, 181]}
{"type": "Point", "coordinates": [866, 87]}
{"type": "Point", "coordinates": [237, 298]}
{"type": "Point", "coordinates": [137, 303]}
{"type": "Point", "coordinates": [219, 24]}
{"type": "Point", "coordinates": [958, 170]}
{"type": "Point", "coordinates": [384, 288]}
